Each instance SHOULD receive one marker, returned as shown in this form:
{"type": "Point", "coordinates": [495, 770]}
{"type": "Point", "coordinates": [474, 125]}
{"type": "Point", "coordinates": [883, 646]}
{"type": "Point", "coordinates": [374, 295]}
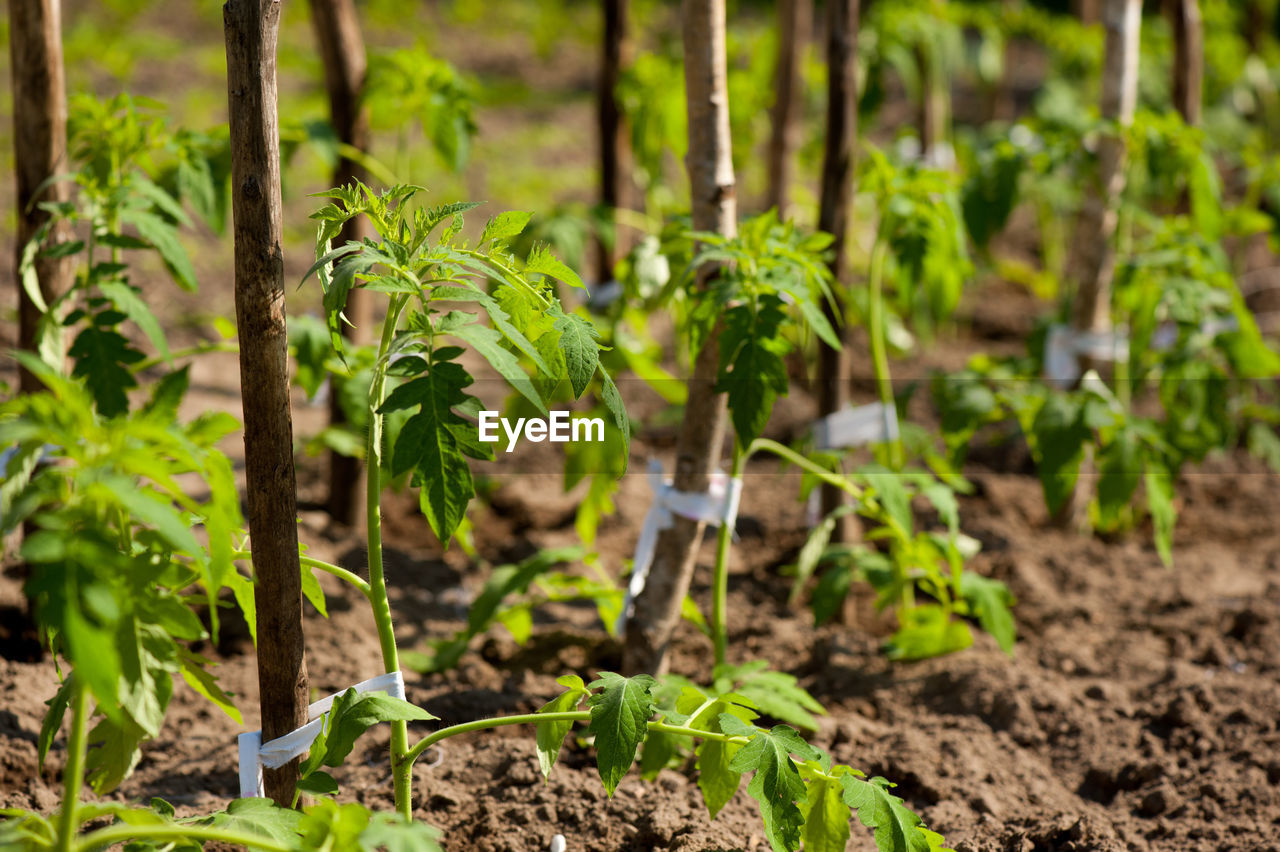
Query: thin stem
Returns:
{"type": "Point", "coordinates": [720, 584]}
{"type": "Point", "coordinates": [875, 327]}
{"type": "Point", "coordinates": [120, 833]}
{"type": "Point", "coordinates": [788, 454]}
{"type": "Point", "coordinates": [320, 565]}
{"type": "Point", "coordinates": [73, 774]}
{"type": "Point", "coordinates": [566, 716]}
{"type": "Point", "coordinates": [377, 594]}
{"type": "Point", "coordinates": [188, 352]}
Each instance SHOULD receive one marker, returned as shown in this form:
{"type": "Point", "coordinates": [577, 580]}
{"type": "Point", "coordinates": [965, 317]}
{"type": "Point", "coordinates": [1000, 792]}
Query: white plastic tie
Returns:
{"type": "Point", "coordinates": [1064, 347]}
{"type": "Point", "coordinates": [254, 754]}
{"type": "Point", "coordinates": [718, 506]}
{"type": "Point", "coordinates": [852, 427]}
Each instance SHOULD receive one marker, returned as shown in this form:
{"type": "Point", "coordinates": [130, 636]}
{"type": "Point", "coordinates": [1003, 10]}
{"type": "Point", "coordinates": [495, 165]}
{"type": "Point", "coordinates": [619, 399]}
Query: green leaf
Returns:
{"type": "Point", "coordinates": [826, 816]}
{"type": "Point", "coordinates": [1164, 516]}
{"type": "Point", "coordinates": [113, 752]}
{"type": "Point", "coordinates": [542, 261]}
{"type": "Point", "coordinates": [260, 817]}
{"type": "Point", "coordinates": [164, 239]}
{"type": "Point", "coordinates": [128, 302]}
{"type": "Point", "coordinates": [318, 783]}
{"type": "Point", "coordinates": [428, 446]}
{"type": "Point", "coordinates": [505, 225]}
{"type": "Point", "coordinates": [488, 342]}
{"type": "Point", "coordinates": [501, 320]}
{"type": "Point", "coordinates": [612, 400]}
{"type": "Point", "coordinates": [752, 372]}
{"type": "Point", "coordinates": [1120, 467]}
{"type": "Point", "coordinates": [927, 631]}
{"type": "Point", "coordinates": [1060, 437]}
{"type": "Point", "coordinates": [990, 600]}
{"type": "Point", "coordinates": [619, 721]}
{"type": "Point", "coordinates": [896, 828]}
{"type": "Point", "coordinates": [311, 590]}
{"type": "Point", "coordinates": [717, 781]}
{"type": "Point", "coordinates": [354, 713]}
{"type": "Point", "coordinates": [53, 718]}
{"type": "Point", "coordinates": [391, 832]}
{"type": "Point", "coordinates": [773, 693]}
{"type": "Point", "coordinates": [199, 679]}
{"type": "Point", "coordinates": [776, 785]}
{"type": "Point", "coordinates": [550, 735]}
{"type": "Point", "coordinates": [813, 548]}
{"type": "Point", "coordinates": [581, 353]}
{"type": "Point", "coordinates": [100, 355]}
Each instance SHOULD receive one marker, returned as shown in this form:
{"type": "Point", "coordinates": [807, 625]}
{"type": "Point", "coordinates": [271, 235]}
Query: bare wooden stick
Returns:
{"type": "Point", "coordinates": [615, 154]}
{"type": "Point", "coordinates": [251, 33]}
{"type": "Point", "coordinates": [342, 51]}
{"type": "Point", "coordinates": [795, 19]}
{"type": "Point", "coordinates": [833, 216]}
{"type": "Point", "coordinates": [1188, 58]}
{"type": "Point", "coordinates": [698, 446]}
{"type": "Point", "coordinates": [39, 152]}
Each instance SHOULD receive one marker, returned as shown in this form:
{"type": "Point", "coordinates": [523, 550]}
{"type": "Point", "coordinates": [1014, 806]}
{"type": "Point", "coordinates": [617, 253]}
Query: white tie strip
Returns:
{"type": "Point", "coordinates": [718, 506]}
{"type": "Point", "coordinates": [254, 754]}
{"type": "Point", "coordinates": [852, 427]}
{"type": "Point", "coordinates": [1065, 345]}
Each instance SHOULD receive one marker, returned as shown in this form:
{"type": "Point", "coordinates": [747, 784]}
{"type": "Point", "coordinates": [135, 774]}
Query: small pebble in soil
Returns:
{"type": "Point", "coordinates": [557, 844]}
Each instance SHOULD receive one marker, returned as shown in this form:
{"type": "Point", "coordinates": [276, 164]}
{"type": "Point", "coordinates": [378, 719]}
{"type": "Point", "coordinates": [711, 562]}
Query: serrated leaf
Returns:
{"type": "Point", "coordinates": [990, 600]}
{"type": "Point", "coordinates": [752, 372]}
{"type": "Point", "coordinates": [318, 783]}
{"type": "Point", "coordinates": [312, 592]}
{"type": "Point", "coordinates": [896, 828]}
{"type": "Point", "coordinates": [776, 784]}
{"type": "Point", "coordinates": [717, 781]}
{"type": "Point", "coordinates": [612, 400]}
{"type": "Point", "coordinates": [259, 817]}
{"type": "Point", "coordinates": [619, 721]}
{"type": "Point", "coordinates": [53, 718]}
{"type": "Point", "coordinates": [505, 225]}
{"type": "Point", "coordinates": [773, 693]}
{"type": "Point", "coordinates": [581, 352]}
{"type": "Point", "coordinates": [487, 342]}
{"type": "Point", "coordinates": [542, 261]}
{"type": "Point", "coordinates": [927, 631]}
{"type": "Point", "coordinates": [100, 358]}
{"type": "Point", "coordinates": [826, 816]}
{"type": "Point", "coordinates": [113, 752]}
{"type": "Point", "coordinates": [164, 239]}
{"type": "Point", "coordinates": [1159, 486]}
{"type": "Point", "coordinates": [128, 302]}
{"type": "Point", "coordinates": [391, 832]}
{"type": "Point", "coordinates": [354, 713]}
{"type": "Point", "coordinates": [1060, 437]}
{"type": "Point", "coordinates": [199, 679]}
{"type": "Point", "coordinates": [550, 735]}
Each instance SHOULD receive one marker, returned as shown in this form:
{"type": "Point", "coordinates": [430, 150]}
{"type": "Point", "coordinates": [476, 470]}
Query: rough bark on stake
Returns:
{"type": "Point", "coordinates": [795, 20]}
{"type": "Point", "coordinates": [1188, 57]}
{"type": "Point", "coordinates": [615, 160]}
{"type": "Point", "coordinates": [710, 165]}
{"type": "Point", "coordinates": [251, 33]}
{"type": "Point", "coordinates": [342, 52]}
{"type": "Point", "coordinates": [1095, 254]}
{"type": "Point", "coordinates": [39, 151]}
{"type": "Point", "coordinates": [833, 217]}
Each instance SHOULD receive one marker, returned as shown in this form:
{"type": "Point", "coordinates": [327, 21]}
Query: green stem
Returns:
{"type": "Point", "coordinates": [120, 833]}
{"type": "Point", "coordinates": [320, 565]}
{"type": "Point", "coordinates": [879, 356]}
{"type": "Point", "coordinates": [73, 774]}
{"type": "Point", "coordinates": [188, 352]}
{"type": "Point", "coordinates": [565, 716]}
{"type": "Point", "coordinates": [720, 584]}
{"type": "Point", "coordinates": [401, 768]}
{"type": "Point", "coordinates": [788, 454]}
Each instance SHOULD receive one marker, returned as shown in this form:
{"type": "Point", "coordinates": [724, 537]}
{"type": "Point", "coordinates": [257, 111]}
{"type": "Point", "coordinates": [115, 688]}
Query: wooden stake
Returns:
{"type": "Point", "coordinates": [698, 446]}
{"type": "Point", "coordinates": [615, 154]}
{"type": "Point", "coordinates": [833, 217]}
{"type": "Point", "coordinates": [251, 33]}
{"type": "Point", "coordinates": [795, 19]}
{"type": "Point", "coordinates": [1188, 58]}
{"type": "Point", "coordinates": [39, 152]}
{"type": "Point", "coordinates": [342, 51]}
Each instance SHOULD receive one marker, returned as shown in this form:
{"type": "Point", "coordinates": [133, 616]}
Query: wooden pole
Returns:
{"type": "Point", "coordinates": [615, 159]}
{"type": "Point", "coordinates": [710, 166]}
{"type": "Point", "coordinates": [342, 51]}
{"type": "Point", "coordinates": [1188, 58]}
{"type": "Point", "coordinates": [833, 216]}
{"type": "Point", "coordinates": [39, 152]}
{"type": "Point", "coordinates": [251, 34]}
{"type": "Point", "coordinates": [795, 19]}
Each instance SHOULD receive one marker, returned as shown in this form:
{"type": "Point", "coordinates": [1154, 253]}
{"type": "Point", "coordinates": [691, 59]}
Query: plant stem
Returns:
{"type": "Point", "coordinates": [73, 774]}
{"type": "Point", "coordinates": [875, 327]}
{"type": "Point", "coordinates": [320, 565]}
{"type": "Point", "coordinates": [788, 454]}
{"type": "Point", "coordinates": [105, 837]}
{"type": "Point", "coordinates": [401, 768]}
{"type": "Point", "coordinates": [720, 584]}
{"type": "Point", "coordinates": [538, 718]}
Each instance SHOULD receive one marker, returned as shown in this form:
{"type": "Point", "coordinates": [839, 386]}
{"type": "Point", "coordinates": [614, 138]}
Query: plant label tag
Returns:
{"type": "Point", "coordinates": [876, 423]}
